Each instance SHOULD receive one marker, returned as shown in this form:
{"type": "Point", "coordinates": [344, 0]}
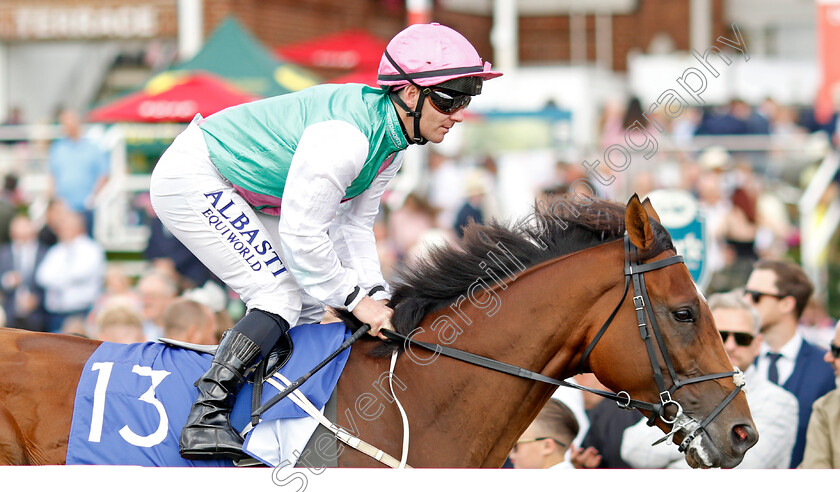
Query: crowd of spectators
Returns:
{"type": "Point", "coordinates": [55, 277]}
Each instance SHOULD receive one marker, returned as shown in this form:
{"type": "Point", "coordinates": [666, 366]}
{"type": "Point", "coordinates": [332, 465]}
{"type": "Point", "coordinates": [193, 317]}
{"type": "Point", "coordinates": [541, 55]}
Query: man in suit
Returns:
{"type": "Point", "coordinates": [780, 290]}
{"type": "Point", "coordinates": [23, 299]}
{"type": "Point", "coordinates": [822, 445]}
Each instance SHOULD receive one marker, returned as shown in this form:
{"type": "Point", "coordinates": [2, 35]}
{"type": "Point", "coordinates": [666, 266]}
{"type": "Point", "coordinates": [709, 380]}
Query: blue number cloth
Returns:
{"type": "Point", "coordinates": [112, 425]}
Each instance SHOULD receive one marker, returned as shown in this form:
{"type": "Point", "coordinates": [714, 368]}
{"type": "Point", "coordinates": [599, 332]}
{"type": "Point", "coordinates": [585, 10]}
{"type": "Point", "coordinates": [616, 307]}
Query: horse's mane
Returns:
{"type": "Point", "coordinates": [447, 272]}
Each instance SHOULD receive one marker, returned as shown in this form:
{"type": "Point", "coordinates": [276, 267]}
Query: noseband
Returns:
{"type": "Point", "coordinates": [634, 271]}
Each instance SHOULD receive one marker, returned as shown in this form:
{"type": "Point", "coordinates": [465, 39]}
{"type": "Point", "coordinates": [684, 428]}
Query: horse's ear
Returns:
{"type": "Point", "coordinates": [637, 222]}
{"type": "Point", "coordinates": [650, 211]}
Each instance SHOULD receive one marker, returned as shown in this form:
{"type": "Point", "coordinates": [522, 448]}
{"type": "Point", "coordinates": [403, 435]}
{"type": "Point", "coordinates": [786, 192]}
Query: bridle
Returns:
{"type": "Point", "coordinates": [634, 272]}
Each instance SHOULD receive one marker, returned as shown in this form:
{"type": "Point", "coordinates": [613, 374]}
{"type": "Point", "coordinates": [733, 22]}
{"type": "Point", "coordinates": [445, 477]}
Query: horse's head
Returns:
{"type": "Point", "coordinates": [662, 298]}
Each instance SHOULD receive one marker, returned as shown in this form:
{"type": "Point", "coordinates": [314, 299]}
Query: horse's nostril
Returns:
{"type": "Point", "coordinates": [740, 432]}
{"type": "Point", "coordinates": [743, 436]}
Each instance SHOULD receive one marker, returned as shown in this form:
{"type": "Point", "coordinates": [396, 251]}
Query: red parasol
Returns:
{"type": "Point", "coordinates": [172, 97]}
{"type": "Point", "coordinates": [348, 49]}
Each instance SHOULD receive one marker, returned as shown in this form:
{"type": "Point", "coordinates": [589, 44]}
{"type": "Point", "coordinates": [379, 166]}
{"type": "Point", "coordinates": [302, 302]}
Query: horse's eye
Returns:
{"type": "Point", "coordinates": [684, 316]}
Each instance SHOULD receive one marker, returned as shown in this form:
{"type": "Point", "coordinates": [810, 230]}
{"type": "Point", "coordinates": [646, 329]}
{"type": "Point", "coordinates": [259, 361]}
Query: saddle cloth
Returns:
{"type": "Point", "coordinates": [132, 401]}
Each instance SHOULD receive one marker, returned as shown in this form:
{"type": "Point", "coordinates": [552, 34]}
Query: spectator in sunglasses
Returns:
{"type": "Point", "coordinates": [822, 443]}
{"type": "Point", "coordinates": [774, 410]}
{"type": "Point", "coordinates": [780, 291]}
{"type": "Point", "coordinates": [545, 441]}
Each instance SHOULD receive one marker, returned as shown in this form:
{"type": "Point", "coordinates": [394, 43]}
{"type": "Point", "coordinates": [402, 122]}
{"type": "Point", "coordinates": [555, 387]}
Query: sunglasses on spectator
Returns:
{"type": "Point", "coordinates": [537, 439]}
{"type": "Point", "coordinates": [756, 295]}
{"type": "Point", "coordinates": [835, 351]}
{"type": "Point", "coordinates": [448, 102]}
{"type": "Point", "coordinates": [741, 339]}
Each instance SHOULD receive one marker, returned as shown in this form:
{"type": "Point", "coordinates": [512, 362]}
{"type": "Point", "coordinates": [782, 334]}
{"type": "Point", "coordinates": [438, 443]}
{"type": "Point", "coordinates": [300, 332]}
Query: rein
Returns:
{"type": "Point", "coordinates": [495, 365]}
{"type": "Point", "coordinates": [634, 272]}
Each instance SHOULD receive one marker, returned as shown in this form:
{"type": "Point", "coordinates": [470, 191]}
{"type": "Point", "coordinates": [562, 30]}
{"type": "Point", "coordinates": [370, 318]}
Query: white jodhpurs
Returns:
{"type": "Point", "coordinates": [237, 243]}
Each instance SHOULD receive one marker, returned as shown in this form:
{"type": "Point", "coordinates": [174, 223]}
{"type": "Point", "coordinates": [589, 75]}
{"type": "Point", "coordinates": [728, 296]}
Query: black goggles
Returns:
{"type": "Point", "coordinates": [835, 351]}
{"type": "Point", "coordinates": [741, 339]}
{"type": "Point", "coordinates": [446, 101]}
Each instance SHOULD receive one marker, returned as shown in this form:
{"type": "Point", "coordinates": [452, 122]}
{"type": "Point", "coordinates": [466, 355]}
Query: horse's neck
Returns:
{"type": "Point", "coordinates": [539, 325]}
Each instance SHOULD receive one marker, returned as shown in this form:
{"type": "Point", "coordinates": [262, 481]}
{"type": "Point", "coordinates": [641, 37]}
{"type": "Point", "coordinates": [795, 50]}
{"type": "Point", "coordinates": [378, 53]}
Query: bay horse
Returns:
{"type": "Point", "coordinates": [549, 295]}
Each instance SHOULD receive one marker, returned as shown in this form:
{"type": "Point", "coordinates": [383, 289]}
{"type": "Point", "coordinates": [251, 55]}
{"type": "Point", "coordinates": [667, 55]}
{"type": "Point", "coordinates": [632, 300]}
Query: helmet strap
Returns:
{"type": "Point", "coordinates": [416, 113]}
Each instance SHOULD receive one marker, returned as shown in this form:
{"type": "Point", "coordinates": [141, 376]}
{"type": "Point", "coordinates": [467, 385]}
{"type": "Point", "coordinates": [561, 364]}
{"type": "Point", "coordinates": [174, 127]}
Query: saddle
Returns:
{"type": "Point", "coordinates": [277, 358]}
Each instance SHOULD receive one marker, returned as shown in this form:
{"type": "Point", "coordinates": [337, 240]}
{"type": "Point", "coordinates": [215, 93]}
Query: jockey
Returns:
{"type": "Point", "coordinates": [325, 155]}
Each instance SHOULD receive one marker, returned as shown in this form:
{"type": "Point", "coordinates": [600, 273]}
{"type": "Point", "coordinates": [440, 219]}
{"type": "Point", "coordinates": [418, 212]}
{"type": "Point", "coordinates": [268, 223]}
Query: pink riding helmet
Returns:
{"type": "Point", "coordinates": [430, 54]}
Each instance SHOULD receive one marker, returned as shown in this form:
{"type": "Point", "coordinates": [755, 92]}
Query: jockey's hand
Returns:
{"type": "Point", "coordinates": [376, 314]}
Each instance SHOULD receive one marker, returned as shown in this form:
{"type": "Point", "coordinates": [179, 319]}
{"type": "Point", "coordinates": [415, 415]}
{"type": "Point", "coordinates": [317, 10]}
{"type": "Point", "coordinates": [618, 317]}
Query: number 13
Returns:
{"type": "Point", "coordinates": [98, 416]}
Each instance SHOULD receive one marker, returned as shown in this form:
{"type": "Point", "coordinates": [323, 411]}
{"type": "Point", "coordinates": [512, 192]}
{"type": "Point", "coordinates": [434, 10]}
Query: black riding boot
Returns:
{"type": "Point", "coordinates": [208, 433]}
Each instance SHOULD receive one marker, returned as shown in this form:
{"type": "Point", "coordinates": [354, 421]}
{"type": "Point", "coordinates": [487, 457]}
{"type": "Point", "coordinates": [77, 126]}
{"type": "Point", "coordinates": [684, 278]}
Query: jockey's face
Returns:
{"type": "Point", "coordinates": [434, 125]}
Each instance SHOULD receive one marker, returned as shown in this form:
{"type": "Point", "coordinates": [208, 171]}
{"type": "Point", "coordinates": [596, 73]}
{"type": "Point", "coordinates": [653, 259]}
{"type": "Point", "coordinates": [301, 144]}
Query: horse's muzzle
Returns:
{"type": "Point", "coordinates": [705, 453]}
